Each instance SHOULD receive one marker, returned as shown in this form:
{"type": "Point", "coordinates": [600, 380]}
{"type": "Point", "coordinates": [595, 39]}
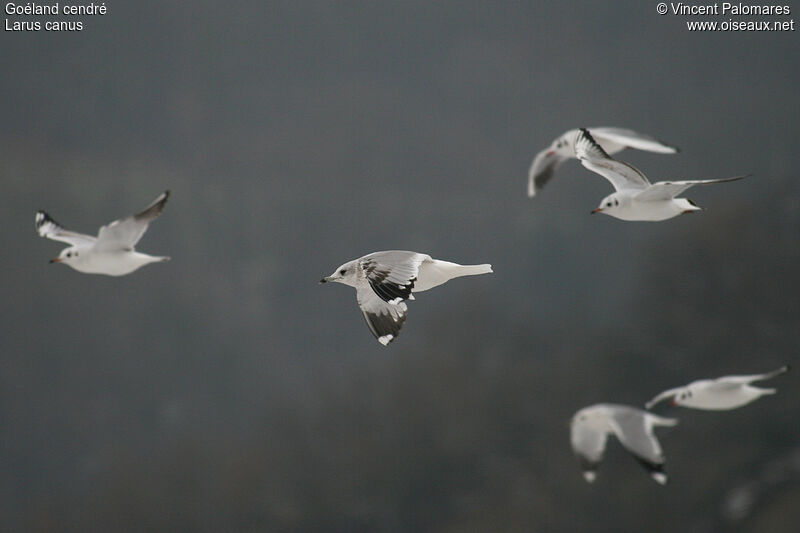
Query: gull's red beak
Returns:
{"type": "Point", "coordinates": [598, 210]}
{"type": "Point", "coordinates": [548, 154]}
{"type": "Point", "coordinates": [55, 260]}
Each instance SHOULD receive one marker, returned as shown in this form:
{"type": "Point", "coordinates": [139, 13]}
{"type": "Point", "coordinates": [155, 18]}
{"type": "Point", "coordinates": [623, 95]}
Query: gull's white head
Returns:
{"type": "Point", "coordinates": [577, 418]}
{"type": "Point", "coordinates": [67, 256]}
{"type": "Point", "coordinates": [682, 397]}
{"type": "Point", "coordinates": [594, 416]}
{"type": "Point", "coordinates": [346, 274]}
{"type": "Point", "coordinates": [588, 416]}
{"type": "Point", "coordinates": [563, 146]}
{"type": "Point", "coordinates": [609, 205]}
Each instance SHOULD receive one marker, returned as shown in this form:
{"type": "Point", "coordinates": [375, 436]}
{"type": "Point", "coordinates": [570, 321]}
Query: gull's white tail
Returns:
{"type": "Point", "coordinates": [772, 374]}
{"type": "Point", "coordinates": [764, 392]}
{"type": "Point", "coordinates": [434, 272]}
{"type": "Point", "coordinates": [662, 421]}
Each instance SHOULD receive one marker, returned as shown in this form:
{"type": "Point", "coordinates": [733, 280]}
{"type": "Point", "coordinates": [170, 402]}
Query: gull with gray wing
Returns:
{"type": "Point", "coordinates": [591, 426]}
{"type": "Point", "coordinates": [720, 394]}
{"type": "Point", "coordinates": [385, 280]}
{"type": "Point", "coordinates": [635, 197]}
{"type": "Point", "coordinates": [112, 252]}
{"type": "Point", "coordinates": [612, 140]}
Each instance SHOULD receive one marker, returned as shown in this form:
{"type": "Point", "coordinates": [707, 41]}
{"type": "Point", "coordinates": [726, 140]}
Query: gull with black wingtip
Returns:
{"type": "Point", "coordinates": [636, 199]}
{"type": "Point", "coordinates": [385, 280]}
{"type": "Point", "coordinates": [720, 394]}
{"type": "Point", "coordinates": [112, 252]}
{"type": "Point", "coordinates": [612, 140]}
{"type": "Point", "coordinates": [591, 426]}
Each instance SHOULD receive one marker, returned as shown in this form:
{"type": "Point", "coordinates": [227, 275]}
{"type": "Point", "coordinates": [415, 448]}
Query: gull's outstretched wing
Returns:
{"type": "Point", "coordinates": [542, 168]}
{"type": "Point", "coordinates": [47, 227]}
{"type": "Point", "coordinates": [632, 139]}
{"type": "Point", "coordinates": [392, 274]}
{"type": "Point", "coordinates": [746, 380]}
{"type": "Point", "coordinates": [592, 156]}
{"type": "Point", "coordinates": [123, 234]}
{"type": "Point", "coordinates": [634, 429]}
{"type": "Point", "coordinates": [667, 190]}
{"type": "Point", "coordinates": [384, 319]}
{"type": "Point", "coordinates": [589, 445]}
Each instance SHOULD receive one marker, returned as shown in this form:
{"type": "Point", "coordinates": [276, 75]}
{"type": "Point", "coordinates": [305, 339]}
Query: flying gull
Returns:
{"type": "Point", "coordinates": [635, 197]}
{"type": "Point", "coordinates": [633, 427]}
{"type": "Point", "coordinates": [384, 280]}
{"type": "Point", "coordinates": [612, 140]}
{"type": "Point", "coordinates": [727, 392]}
{"type": "Point", "coordinates": [112, 251]}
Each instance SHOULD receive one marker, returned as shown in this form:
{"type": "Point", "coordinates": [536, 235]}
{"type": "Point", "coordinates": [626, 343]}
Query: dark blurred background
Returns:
{"type": "Point", "coordinates": [228, 391]}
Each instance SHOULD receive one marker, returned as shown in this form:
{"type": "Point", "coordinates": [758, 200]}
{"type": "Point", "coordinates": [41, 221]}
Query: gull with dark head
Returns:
{"type": "Point", "coordinates": [635, 197]}
{"type": "Point", "coordinates": [384, 280]}
{"type": "Point", "coordinates": [633, 427]}
{"type": "Point", "coordinates": [727, 392]}
{"type": "Point", "coordinates": [612, 140]}
{"type": "Point", "coordinates": [112, 252]}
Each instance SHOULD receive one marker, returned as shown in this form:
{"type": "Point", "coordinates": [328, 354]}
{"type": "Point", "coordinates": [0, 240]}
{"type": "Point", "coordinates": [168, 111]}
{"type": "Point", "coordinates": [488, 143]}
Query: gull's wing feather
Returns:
{"type": "Point", "coordinates": [589, 445]}
{"type": "Point", "coordinates": [123, 234]}
{"type": "Point", "coordinates": [633, 139]}
{"type": "Point", "coordinates": [392, 274]}
{"type": "Point", "coordinates": [634, 429]}
{"type": "Point", "coordinates": [383, 318]}
{"type": "Point", "coordinates": [588, 442]}
{"type": "Point", "coordinates": [745, 380]}
{"type": "Point", "coordinates": [667, 190]}
{"type": "Point", "coordinates": [593, 157]}
{"type": "Point", "coordinates": [542, 169]}
{"type": "Point", "coordinates": [47, 227]}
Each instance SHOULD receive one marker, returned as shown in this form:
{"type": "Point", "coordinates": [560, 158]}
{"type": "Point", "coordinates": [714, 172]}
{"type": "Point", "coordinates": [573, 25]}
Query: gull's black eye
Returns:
{"type": "Point", "coordinates": [342, 272]}
{"type": "Point", "coordinates": [608, 204]}
{"type": "Point", "coordinates": [69, 254]}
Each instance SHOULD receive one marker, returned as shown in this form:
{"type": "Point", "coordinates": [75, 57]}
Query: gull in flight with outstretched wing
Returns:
{"type": "Point", "coordinates": [635, 197]}
{"type": "Point", "coordinates": [112, 251]}
{"type": "Point", "coordinates": [591, 426]}
{"type": "Point", "coordinates": [612, 140]}
{"type": "Point", "coordinates": [384, 280]}
{"type": "Point", "coordinates": [727, 392]}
